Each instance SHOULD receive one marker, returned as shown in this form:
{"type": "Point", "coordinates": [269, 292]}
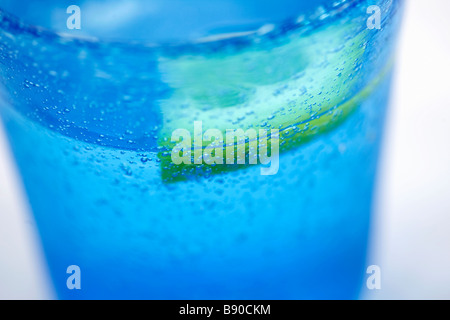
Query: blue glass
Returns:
{"type": "Point", "coordinates": [89, 122]}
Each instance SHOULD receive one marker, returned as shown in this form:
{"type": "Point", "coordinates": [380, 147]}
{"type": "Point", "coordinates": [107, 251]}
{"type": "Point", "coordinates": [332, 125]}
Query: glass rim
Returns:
{"type": "Point", "coordinates": [320, 15]}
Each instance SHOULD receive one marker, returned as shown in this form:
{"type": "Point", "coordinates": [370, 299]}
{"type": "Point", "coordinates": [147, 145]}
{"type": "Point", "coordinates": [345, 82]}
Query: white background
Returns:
{"type": "Point", "coordinates": [411, 239]}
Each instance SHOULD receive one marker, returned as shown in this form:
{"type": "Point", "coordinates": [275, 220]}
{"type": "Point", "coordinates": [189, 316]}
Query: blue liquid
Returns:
{"type": "Point", "coordinates": [88, 121]}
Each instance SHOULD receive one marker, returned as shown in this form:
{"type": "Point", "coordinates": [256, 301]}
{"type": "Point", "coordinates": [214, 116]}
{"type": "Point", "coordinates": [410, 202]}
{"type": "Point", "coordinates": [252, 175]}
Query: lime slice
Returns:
{"type": "Point", "coordinates": [300, 85]}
